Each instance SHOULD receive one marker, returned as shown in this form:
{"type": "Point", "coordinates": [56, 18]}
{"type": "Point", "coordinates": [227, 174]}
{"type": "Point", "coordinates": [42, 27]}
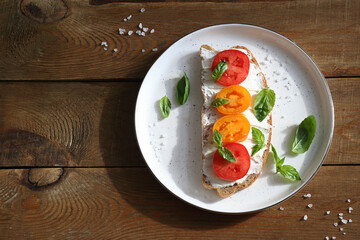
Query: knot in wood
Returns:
{"type": "Point", "coordinates": [43, 177]}
{"type": "Point", "coordinates": [44, 11]}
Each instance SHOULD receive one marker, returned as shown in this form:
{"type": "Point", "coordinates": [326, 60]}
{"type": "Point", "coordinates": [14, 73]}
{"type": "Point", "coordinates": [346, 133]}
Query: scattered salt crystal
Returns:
{"type": "Point", "coordinates": [336, 224]}
{"type": "Point", "coordinates": [130, 32]}
{"type": "Point", "coordinates": [129, 17]}
{"type": "Point", "coordinates": [142, 10]}
{"type": "Point", "coordinates": [341, 214]}
{"type": "Point", "coordinates": [327, 238]}
{"type": "Point", "coordinates": [154, 50]}
{"type": "Point", "coordinates": [104, 44]}
{"type": "Point", "coordinates": [122, 31]}
{"type": "Point", "coordinates": [333, 237]}
{"type": "Point", "coordinates": [348, 200]}
{"type": "Point", "coordinates": [143, 34]}
{"type": "Point", "coordinates": [350, 220]}
{"type": "Point", "coordinates": [143, 50]}
{"type": "Point", "coordinates": [344, 221]}
{"type": "Point", "coordinates": [115, 50]}
{"type": "Point", "coordinates": [328, 212]}
{"type": "Point", "coordinates": [138, 32]}
{"type": "Point", "coordinates": [305, 217]}
{"type": "Point", "coordinates": [140, 25]}
{"type": "Point", "coordinates": [309, 205]}
{"type": "Point", "coordinates": [105, 48]}
{"type": "Point", "coordinates": [152, 31]}
{"type": "Point", "coordinates": [341, 229]}
{"type": "Point", "coordinates": [341, 217]}
{"type": "Point", "coordinates": [350, 209]}
{"type": "Point", "coordinates": [344, 233]}
{"type": "Point", "coordinates": [281, 208]}
{"type": "Point", "coordinates": [145, 29]}
{"type": "Point", "coordinates": [124, 19]}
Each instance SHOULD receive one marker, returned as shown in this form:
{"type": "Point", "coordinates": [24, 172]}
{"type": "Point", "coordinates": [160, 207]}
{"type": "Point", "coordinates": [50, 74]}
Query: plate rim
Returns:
{"type": "Point", "coordinates": [332, 119]}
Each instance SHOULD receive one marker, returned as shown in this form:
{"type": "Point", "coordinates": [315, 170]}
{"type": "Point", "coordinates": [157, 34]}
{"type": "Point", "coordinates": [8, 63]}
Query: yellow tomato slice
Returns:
{"type": "Point", "coordinates": [234, 128]}
{"type": "Point", "coordinates": [239, 100]}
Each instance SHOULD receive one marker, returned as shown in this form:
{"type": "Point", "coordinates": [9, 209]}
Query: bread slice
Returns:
{"type": "Point", "coordinates": [254, 83]}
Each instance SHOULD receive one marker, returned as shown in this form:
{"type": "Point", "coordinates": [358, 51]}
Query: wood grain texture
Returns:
{"type": "Point", "coordinates": [70, 48]}
{"type": "Point", "coordinates": [92, 124]}
{"type": "Point", "coordinates": [68, 124]}
{"type": "Point", "coordinates": [131, 204]}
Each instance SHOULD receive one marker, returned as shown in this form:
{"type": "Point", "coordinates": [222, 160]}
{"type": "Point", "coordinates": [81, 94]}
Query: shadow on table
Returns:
{"type": "Point", "coordinates": [133, 181]}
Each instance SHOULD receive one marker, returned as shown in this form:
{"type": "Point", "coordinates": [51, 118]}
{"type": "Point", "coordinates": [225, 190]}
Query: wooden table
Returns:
{"type": "Point", "coordinates": [70, 167]}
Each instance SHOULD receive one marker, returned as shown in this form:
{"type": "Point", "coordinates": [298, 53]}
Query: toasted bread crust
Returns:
{"type": "Point", "coordinates": [229, 190]}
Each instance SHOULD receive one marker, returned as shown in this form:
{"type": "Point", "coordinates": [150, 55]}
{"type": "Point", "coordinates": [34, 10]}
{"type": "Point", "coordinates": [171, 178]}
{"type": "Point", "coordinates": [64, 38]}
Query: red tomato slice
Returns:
{"type": "Point", "coordinates": [232, 170]}
{"type": "Point", "coordinates": [238, 66]}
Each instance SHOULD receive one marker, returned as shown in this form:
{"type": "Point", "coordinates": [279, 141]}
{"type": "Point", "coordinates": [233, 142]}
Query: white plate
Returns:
{"type": "Point", "coordinates": [172, 146]}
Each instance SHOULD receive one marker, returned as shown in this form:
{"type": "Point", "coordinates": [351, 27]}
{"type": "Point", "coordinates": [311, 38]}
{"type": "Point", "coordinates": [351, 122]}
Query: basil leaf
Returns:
{"type": "Point", "coordinates": [278, 161]}
{"type": "Point", "coordinates": [217, 137]}
{"type": "Point", "coordinates": [259, 139]}
{"type": "Point", "coordinates": [219, 70]}
{"type": "Point", "coordinates": [226, 154]}
{"type": "Point", "coordinates": [219, 102]}
{"type": "Point", "coordinates": [287, 171]}
{"type": "Point", "coordinates": [290, 173]}
{"type": "Point", "coordinates": [264, 103]}
{"type": "Point", "coordinates": [183, 90]}
{"type": "Point", "coordinates": [304, 135]}
{"type": "Point", "coordinates": [165, 106]}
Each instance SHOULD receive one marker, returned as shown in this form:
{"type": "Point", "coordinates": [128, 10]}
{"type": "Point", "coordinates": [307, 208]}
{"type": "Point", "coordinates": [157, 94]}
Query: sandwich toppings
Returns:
{"type": "Point", "coordinates": [234, 128]}
{"type": "Point", "coordinates": [239, 100]}
{"type": "Point", "coordinates": [237, 67]}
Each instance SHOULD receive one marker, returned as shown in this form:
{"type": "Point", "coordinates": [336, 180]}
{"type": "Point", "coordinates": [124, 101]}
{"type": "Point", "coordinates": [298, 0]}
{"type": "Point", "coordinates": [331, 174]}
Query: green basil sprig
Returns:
{"type": "Point", "coordinates": [304, 136]}
{"type": "Point", "coordinates": [183, 90]}
{"type": "Point", "coordinates": [223, 151]}
{"type": "Point", "coordinates": [287, 171]}
{"type": "Point", "coordinates": [165, 106]}
{"type": "Point", "coordinates": [264, 103]}
{"type": "Point", "coordinates": [259, 139]}
{"type": "Point", "coordinates": [219, 70]}
{"type": "Point", "coordinates": [219, 102]}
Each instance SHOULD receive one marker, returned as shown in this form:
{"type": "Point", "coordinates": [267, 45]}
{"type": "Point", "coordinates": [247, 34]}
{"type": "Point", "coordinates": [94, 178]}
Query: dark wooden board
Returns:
{"type": "Point", "coordinates": [123, 203]}
{"type": "Point", "coordinates": [55, 39]}
{"type": "Point", "coordinates": [92, 124]}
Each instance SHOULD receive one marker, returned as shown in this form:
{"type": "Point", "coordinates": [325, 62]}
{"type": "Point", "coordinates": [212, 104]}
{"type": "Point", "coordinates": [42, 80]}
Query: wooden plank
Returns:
{"type": "Point", "coordinates": [92, 124]}
{"type": "Point", "coordinates": [67, 45]}
{"type": "Point", "coordinates": [68, 124]}
{"type": "Point", "coordinates": [130, 204]}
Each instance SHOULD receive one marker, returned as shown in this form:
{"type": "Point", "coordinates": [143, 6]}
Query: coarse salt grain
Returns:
{"type": "Point", "coordinates": [344, 221]}
{"type": "Point", "coordinates": [350, 209]}
{"type": "Point", "coordinates": [348, 200]}
{"type": "Point", "coordinates": [104, 44]}
{"type": "Point", "coordinates": [336, 224]}
{"type": "Point", "coordinates": [129, 17]}
{"type": "Point", "coordinates": [333, 237]}
{"type": "Point", "coordinates": [341, 214]}
{"type": "Point", "coordinates": [327, 238]}
{"type": "Point", "coordinates": [145, 29]}
{"type": "Point", "coordinates": [152, 31]}
{"type": "Point", "coordinates": [138, 32]}
{"type": "Point", "coordinates": [122, 31]}
{"type": "Point", "coordinates": [350, 220]}
{"type": "Point", "coordinates": [140, 25]}
{"type": "Point", "coordinates": [130, 32]}
{"type": "Point", "coordinates": [142, 50]}
{"type": "Point", "coordinates": [115, 50]}
{"type": "Point", "coordinates": [328, 212]}
{"type": "Point", "coordinates": [142, 10]}
{"type": "Point", "coordinates": [105, 48]}
{"type": "Point", "coordinates": [307, 195]}
{"type": "Point", "coordinates": [341, 229]}
{"type": "Point", "coordinates": [305, 217]}
{"type": "Point", "coordinates": [344, 233]}
{"type": "Point", "coordinates": [281, 208]}
{"type": "Point", "coordinates": [154, 50]}
{"type": "Point", "coordinates": [309, 205]}
{"type": "Point", "coordinates": [124, 19]}
{"type": "Point", "coordinates": [143, 34]}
